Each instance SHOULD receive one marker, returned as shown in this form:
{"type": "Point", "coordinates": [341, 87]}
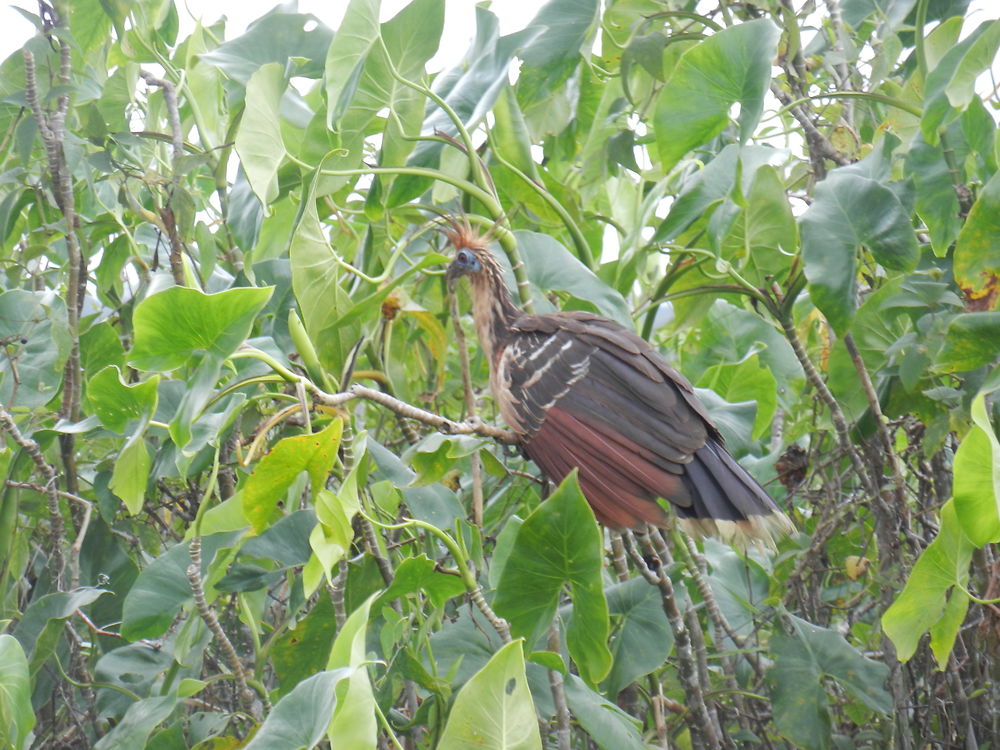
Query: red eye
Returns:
{"type": "Point", "coordinates": [464, 257]}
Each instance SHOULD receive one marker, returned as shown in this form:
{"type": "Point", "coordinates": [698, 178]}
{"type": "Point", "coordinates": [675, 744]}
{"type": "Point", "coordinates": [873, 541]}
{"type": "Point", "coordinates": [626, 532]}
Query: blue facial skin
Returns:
{"type": "Point", "coordinates": [465, 262]}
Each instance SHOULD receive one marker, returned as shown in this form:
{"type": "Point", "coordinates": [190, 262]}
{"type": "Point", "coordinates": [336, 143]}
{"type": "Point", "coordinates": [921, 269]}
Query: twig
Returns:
{"type": "Point", "coordinates": [441, 424]}
{"type": "Point", "coordinates": [57, 531]}
{"type": "Point", "coordinates": [470, 409]}
{"type": "Point", "coordinates": [559, 692]}
{"type": "Point", "coordinates": [336, 592]}
{"type": "Point", "coordinates": [194, 579]}
{"type": "Point", "coordinates": [698, 718]}
{"type": "Point", "coordinates": [177, 140]}
{"type": "Point", "coordinates": [836, 413]}
{"type": "Point", "coordinates": [880, 426]}
{"type": "Point", "coordinates": [618, 556]}
{"type": "Point", "coordinates": [499, 624]}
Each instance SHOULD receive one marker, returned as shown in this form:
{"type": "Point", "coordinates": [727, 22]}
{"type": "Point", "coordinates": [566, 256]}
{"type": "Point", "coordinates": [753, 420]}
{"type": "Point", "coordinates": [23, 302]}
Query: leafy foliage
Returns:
{"type": "Point", "coordinates": [248, 498]}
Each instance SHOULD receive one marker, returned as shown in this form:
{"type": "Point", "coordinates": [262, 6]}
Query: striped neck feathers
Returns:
{"type": "Point", "coordinates": [493, 310]}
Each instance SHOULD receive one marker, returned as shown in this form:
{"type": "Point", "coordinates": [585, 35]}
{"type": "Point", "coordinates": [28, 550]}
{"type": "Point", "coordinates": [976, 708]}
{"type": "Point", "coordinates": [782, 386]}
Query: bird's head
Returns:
{"type": "Point", "coordinates": [472, 258]}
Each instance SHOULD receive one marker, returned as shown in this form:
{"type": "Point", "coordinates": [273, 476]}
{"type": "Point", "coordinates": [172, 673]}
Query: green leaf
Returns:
{"type": "Point", "coordinates": [494, 710]}
{"type": "Point", "coordinates": [567, 25]}
{"type": "Point", "coordinates": [977, 250]}
{"type": "Point", "coordinates": [713, 183]}
{"type": "Point", "coordinates": [936, 204]}
{"type": "Point", "coordinates": [470, 89]}
{"type": "Point", "coordinates": [302, 651]}
{"type": "Point", "coordinates": [179, 324]}
{"type": "Point", "coordinates": [558, 544]}
{"type": "Point", "coordinates": [976, 490]}
{"type": "Point", "coordinates": [33, 354]}
{"type": "Point", "coordinates": [274, 38]}
{"type": "Point", "coordinates": [764, 236]}
{"type": "Point", "coordinates": [116, 403]}
{"type": "Point", "coordinates": [345, 60]}
{"type": "Point", "coordinates": [552, 266]}
{"type": "Point", "coordinates": [17, 718]}
{"type": "Point", "coordinates": [317, 283]}
{"type": "Point", "coordinates": [266, 487]}
{"type": "Point", "coordinates": [420, 574]}
{"type": "Point", "coordinates": [972, 340]}
{"type": "Point", "coordinates": [747, 381]}
{"type": "Point", "coordinates": [641, 638]}
{"type": "Point", "coordinates": [951, 84]}
{"type": "Point", "coordinates": [258, 140]}
{"type": "Point", "coordinates": [138, 723]}
{"type": "Point", "coordinates": [801, 661]}
{"type": "Point", "coordinates": [131, 473]}
{"type": "Point", "coordinates": [162, 588]}
{"type": "Point", "coordinates": [924, 600]}
{"type": "Point", "coordinates": [51, 608]}
{"type": "Point", "coordinates": [300, 718]}
{"type": "Point", "coordinates": [852, 210]}
{"type": "Point", "coordinates": [435, 503]}
{"type": "Point", "coordinates": [731, 67]}
{"type": "Point", "coordinates": [353, 725]}
{"type": "Point", "coordinates": [607, 724]}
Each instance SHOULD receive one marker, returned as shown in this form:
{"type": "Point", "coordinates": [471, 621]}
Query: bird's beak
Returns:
{"type": "Point", "coordinates": [452, 275]}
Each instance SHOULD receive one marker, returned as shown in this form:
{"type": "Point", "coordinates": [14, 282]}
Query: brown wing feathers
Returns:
{"type": "Point", "coordinates": [585, 393]}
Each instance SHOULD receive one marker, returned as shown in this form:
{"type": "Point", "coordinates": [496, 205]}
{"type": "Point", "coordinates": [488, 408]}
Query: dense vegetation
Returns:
{"type": "Point", "coordinates": [252, 495]}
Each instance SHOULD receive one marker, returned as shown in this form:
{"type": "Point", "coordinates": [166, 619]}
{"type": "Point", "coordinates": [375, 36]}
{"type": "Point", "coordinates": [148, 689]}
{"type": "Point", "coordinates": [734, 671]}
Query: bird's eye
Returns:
{"type": "Point", "coordinates": [464, 257]}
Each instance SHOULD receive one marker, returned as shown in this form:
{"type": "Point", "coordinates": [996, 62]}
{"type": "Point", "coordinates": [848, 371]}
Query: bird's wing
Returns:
{"type": "Point", "coordinates": [586, 393]}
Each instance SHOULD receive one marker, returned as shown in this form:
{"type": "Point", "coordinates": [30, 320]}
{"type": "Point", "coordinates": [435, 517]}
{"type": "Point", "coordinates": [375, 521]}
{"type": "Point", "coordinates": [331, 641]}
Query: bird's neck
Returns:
{"type": "Point", "coordinates": [493, 311]}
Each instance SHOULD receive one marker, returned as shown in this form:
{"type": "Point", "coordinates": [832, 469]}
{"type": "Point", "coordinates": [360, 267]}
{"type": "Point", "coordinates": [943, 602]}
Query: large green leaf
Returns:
{"type": "Point", "coordinates": [972, 340]}
{"type": "Point", "coordinates": [641, 636]}
{"type": "Point", "coordinates": [801, 661]}
{"type": "Point", "coordinates": [131, 473]}
{"type": "Point", "coordinates": [258, 140]}
{"type": "Point", "coordinates": [559, 544]}
{"type": "Point", "coordinates": [317, 283]}
{"type": "Point", "coordinates": [713, 183]}
{"type": "Point", "coordinates": [352, 725]}
{"type": "Point", "coordinates": [925, 602]}
{"type": "Point", "coordinates": [852, 210]}
{"type": "Point", "coordinates": [470, 90]}
{"type": "Point", "coordinates": [162, 588]}
{"type": "Point", "coordinates": [274, 38]}
{"type": "Point", "coordinates": [951, 85]}
{"type": "Point", "coordinates": [299, 720]}
{"type": "Point", "coordinates": [977, 250]}
{"type": "Point", "coordinates": [731, 67]}
{"type": "Point", "coordinates": [49, 613]}
{"type": "Point", "coordinates": [115, 402]}
{"type": "Point", "coordinates": [976, 488]}
{"type": "Point", "coordinates": [266, 487]}
{"type": "Point", "coordinates": [138, 723]}
{"type": "Point", "coordinates": [178, 324]}
{"type": "Point", "coordinates": [17, 718]}
{"type": "Point", "coordinates": [494, 710]}
{"type": "Point", "coordinates": [552, 266]}
{"type": "Point", "coordinates": [35, 348]}
{"type": "Point", "coordinates": [607, 724]}
{"type": "Point", "coordinates": [345, 59]}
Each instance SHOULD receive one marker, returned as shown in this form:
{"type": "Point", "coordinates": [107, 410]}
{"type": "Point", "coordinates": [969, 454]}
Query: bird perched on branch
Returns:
{"type": "Point", "coordinates": [581, 391]}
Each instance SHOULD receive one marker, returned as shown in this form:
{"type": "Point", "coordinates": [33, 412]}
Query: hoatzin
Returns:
{"type": "Point", "coordinates": [581, 391]}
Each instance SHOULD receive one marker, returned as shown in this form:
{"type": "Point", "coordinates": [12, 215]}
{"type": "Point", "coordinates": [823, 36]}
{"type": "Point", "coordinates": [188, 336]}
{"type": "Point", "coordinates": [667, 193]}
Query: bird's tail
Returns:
{"type": "Point", "coordinates": [727, 502]}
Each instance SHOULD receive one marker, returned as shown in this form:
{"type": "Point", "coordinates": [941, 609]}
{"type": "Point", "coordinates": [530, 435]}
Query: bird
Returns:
{"type": "Point", "coordinates": [582, 392]}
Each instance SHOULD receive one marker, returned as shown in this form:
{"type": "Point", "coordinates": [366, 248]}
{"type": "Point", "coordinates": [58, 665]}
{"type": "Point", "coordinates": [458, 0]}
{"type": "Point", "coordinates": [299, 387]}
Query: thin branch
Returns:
{"type": "Point", "coordinates": [559, 692]}
{"type": "Point", "coordinates": [470, 408]}
{"type": "Point", "coordinates": [57, 531]}
{"type": "Point", "coordinates": [698, 719]}
{"type": "Point", "coordinates": [194, 579]}
{"type": "Point", "coordinates": [881, 430]}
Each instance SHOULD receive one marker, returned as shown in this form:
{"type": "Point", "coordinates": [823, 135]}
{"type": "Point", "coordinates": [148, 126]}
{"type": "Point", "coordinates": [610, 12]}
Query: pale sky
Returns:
{"type": "Point", "coordinates": [458, 31]}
